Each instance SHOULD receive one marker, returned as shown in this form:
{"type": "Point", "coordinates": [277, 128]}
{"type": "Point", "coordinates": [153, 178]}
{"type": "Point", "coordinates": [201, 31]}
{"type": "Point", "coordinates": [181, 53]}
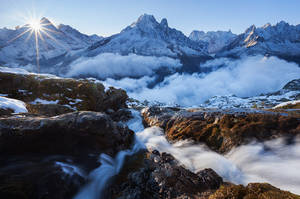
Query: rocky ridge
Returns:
{"type": "Point", "coordinates": [221, 130]}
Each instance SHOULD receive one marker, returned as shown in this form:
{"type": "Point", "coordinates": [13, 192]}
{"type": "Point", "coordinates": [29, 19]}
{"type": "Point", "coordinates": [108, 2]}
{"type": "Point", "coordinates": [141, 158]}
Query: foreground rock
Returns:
{"type": "Point", "coordinates": [156, 175]}
{"type": "Point", "coordinates": [161, 176]}
{"type": "Point", "coordinates": [252, 191]}
{"type": "Point", "coordinates": [47, 157]}
{"type": "Point", "coordinates": [221, 130]}
{"type": "Point", "coordinates": [60, 95]}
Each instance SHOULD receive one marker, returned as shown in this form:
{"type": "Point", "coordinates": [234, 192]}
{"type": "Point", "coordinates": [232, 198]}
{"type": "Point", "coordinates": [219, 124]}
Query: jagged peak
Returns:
{"type": "Point", "coordinates": [266, 25]}
{"type": "Point", "coordinates": [146, 19]}
{"type": "Point", "coordinates": [65, 27]}
{"type": "Point", "coordinates": [282, 23]}
{"type": "Point", "coordinates": [251, 28]}
{"type": "Point", "coordinates": [46, 21]}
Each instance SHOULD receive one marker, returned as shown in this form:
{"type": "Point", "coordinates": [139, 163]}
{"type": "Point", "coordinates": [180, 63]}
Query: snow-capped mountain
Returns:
{"type": "Point", "coordinates": [281, 40]}
{"type": "Point", "coordinates": [19, 46]}
{"type": "Point", "coordinates": [148, 37]}
{"type": "Point", "coordinates": [216, 39]}
{"type": "Point", "coordinates": [77, 36]}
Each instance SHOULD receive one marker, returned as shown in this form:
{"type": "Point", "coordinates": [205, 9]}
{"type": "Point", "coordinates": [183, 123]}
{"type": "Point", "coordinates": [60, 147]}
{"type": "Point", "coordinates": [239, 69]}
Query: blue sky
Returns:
{"type": "Point", "coordinates": [106, 17]}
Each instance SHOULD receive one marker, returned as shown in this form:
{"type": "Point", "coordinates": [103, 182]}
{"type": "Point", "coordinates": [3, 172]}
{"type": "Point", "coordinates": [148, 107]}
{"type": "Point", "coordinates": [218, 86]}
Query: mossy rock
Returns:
{"type": "Point", "coordinates": [81, 95]}
{"type": "Point", "coordinates": [252, 191]}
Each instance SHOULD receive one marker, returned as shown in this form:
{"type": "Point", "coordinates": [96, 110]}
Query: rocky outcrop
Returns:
{"type": "Point", "coordinates": [6, 111]}
{"type": "Point", "coordinates": [221, 130]}
{"type": "Point", "coordinates": [46, 157]}
{"type": "Point", "coordinates": [252, 190]}
{"type": "Point", "coordinates": [81, 95]}
{"type": "Point", "coordinates": [161, 176]}
{"type": "Point", "coordinates": [69, 134]}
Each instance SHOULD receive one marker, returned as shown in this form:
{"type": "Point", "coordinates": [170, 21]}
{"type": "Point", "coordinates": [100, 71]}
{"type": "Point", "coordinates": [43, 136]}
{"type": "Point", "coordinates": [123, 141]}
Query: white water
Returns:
{"type": "Point", "coordinates": [278, 166]}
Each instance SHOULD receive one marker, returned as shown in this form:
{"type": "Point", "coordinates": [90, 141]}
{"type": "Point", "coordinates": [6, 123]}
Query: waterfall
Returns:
{"type": "Point", "coordinates": [101, 177]}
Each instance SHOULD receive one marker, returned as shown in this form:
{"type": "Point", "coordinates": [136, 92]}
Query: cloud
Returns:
{"type": "Point", "coordinates": [110, 65]}
{"type": "Point", "coordinates": [247, 77]}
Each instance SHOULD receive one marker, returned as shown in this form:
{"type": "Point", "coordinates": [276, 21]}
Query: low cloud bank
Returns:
{"type": "Point", "coordinates": [247, 77]}
{"type": "Point", "coordinates": [110, 65]}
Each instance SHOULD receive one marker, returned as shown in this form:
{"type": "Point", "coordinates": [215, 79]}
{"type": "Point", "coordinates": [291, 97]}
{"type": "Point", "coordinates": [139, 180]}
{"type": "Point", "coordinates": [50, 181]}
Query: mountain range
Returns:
{"type": "Point", "coordinates": [61, 45]}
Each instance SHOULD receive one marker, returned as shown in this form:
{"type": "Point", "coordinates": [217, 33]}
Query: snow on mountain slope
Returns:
{"type": "Point", "coordinates": [148, 37]}
{"type": "Point", "coordinates": [77, 36]}
{"type": "Point", "coordinates": [216, 39]}
{"type": "Point", "coordinates": [290, 92]}
{"type": "Point", "coordinates": [281, 39]}
{"type": "Point", "coordinates": [18, 46]}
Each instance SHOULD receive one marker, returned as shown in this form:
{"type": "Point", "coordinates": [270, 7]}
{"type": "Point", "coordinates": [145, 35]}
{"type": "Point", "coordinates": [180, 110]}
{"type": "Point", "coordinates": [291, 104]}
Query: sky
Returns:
{"type": "Point", "coordinates": [107, 17]}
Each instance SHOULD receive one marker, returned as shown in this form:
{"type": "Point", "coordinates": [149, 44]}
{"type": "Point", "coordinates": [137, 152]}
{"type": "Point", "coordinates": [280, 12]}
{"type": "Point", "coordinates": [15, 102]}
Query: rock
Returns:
{"type": "Point", "coordinates": [252, 190]}
{"type": "Point", "coordinates": [160, 176]}
{"type": "Point", "coordinates": [45, 157]}
{"type": "Point", "coordinates": [40, 177]}
{"type": "Point", "coordinates": [6, 111]}
{"type": "Point", "coordinates": [48, 109]}
{"type": "Point", "coordinates": [69, 134]}
{"type": "Point", "coordinates": [221, 130]}
{"type": "Point", "coordinates": [81, 95]}
{"type": "Point", "coordinates": [293, 85]}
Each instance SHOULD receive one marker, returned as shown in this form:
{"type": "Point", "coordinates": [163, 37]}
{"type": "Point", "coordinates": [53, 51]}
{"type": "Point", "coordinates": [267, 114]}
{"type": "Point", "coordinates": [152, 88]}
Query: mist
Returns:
{"type": "Point", "coordinates": [273, 161]}
{"type": "Point", "coordinates": [249, 76]}
{"type": "Point", "coordinates": [110, 65]}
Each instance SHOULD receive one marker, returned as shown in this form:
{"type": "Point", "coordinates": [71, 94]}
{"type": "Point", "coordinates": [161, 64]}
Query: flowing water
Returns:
{"type": "Point", "coordinates": [272, 161]}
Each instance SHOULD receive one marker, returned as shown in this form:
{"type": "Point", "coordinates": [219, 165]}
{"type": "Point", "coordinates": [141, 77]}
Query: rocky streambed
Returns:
{"type": "Point", "coordinates": [78, 139]}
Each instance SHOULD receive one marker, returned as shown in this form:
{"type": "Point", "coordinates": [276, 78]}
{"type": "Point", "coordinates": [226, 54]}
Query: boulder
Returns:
{"type": "Point", "coordinates": [48, 157]}
{"type": "Point", "coordinates": [252, 191]}
{"type": "Point", "coordinates": [81, 95]}
{"type": "Point", "coordinates": [221, 130]}
{"type": "Point", "coordinates": [161, 176]}
{"type": "Point", "coordinates": [69, 134]}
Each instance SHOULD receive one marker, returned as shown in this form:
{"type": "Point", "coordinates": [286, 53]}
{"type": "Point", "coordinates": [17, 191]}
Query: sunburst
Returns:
{"type": "Point", "coordinates": [36, 28]}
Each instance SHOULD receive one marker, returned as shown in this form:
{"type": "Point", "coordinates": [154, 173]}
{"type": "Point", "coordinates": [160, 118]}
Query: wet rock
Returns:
{"type": "Point", "coordinates": [221, 130]}
{"type": "Point", "coordinates": [6, 111]}
{"type": "Point", "coordinates": [46, 157]}
{"type": "Point", "coordinates": [81, 95]}
{"type": "Point", "coordinates": [48, 109]}
{"type": "Point", "coordinates": [37, 177]}
{"type": "Point", "coordinates": [70, 134]}
{"type": "Point", "coordinates": [252, 191]}
{"type": "Point", "coordinates": [161, 176]}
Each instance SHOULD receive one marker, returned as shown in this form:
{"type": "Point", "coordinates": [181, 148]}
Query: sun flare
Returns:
{"type": "Point", "coordinates": [35, 25]}
{"type": "Point", "coordinates": [38, 29]}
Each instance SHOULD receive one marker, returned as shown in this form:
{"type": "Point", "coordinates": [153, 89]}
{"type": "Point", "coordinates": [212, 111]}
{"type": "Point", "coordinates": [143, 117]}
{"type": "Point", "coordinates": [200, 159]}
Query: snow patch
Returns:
{"type": "Point", "coordinates": [287, 103]}
{"type": "Point", "coordinates": [41, 101]}
{"type": "Point", "coordinates": [16, 105]}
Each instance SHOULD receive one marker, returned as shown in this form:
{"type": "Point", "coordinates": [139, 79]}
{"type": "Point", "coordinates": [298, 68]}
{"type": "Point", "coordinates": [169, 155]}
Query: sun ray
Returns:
{"type": "Point", "coordinates": [29, 36]}
{"type": "Point", "coordinates": [18, 36]}
{"type": "Point", "coordinates": [37, 51]}
{"type": "Point", "coordinates": [40, 29]}
{"type": "Point", "coordinates": [51, 37]}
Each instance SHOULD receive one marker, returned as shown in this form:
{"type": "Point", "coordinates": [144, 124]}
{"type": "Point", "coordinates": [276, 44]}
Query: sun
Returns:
{"type": "Point", "coordinates": [35, 24]}
{"type": "Point", "coordinates": [38, 29]}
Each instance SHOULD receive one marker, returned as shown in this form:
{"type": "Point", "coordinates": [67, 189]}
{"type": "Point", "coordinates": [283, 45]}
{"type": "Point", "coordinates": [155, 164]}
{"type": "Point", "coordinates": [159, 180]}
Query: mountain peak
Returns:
{"type": "Point", "coordinates": [146, 19]}
{"type": "Point", "coordinates": [251, 30]}
{"type": "Point", "coordinates": [282, 24]}
{"type": "Point", "coordinates": [45, 21]}
{"type": "Point", "coordinates": [266, 25]}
